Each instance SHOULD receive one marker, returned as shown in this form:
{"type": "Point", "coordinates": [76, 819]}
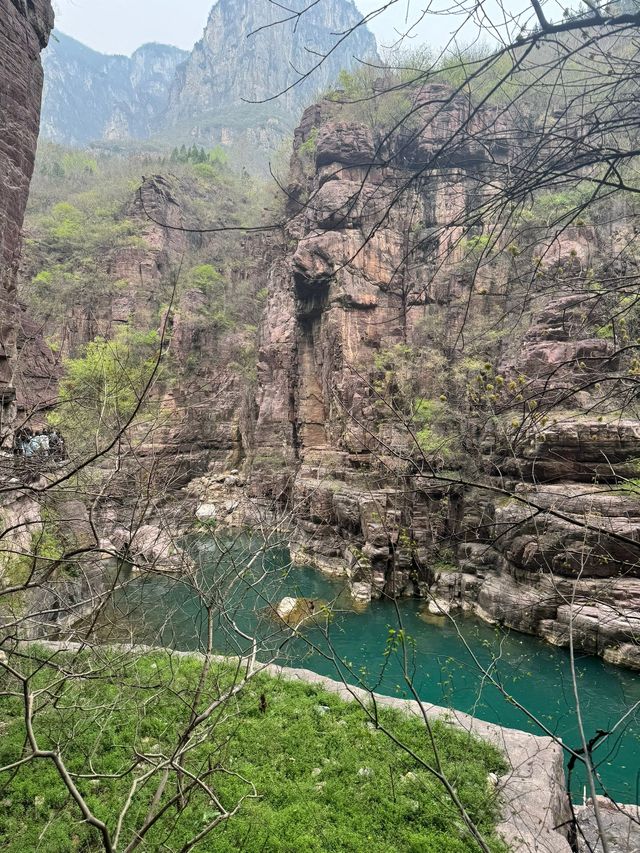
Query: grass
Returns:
{"type": "Point", "coordinates": [327, 779]}
{"type": "Point", "coordinates": [629, 487]}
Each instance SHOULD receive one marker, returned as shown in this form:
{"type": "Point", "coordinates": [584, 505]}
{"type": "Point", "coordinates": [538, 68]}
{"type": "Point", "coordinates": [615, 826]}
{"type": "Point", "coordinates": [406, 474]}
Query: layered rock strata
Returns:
{"type": "Point", "coordinates": [24, 33]}
{"type": "Point", "coordinates": [495, 476]}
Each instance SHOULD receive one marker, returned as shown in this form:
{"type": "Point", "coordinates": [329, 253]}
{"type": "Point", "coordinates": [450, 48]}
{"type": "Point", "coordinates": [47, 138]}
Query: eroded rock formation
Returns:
{"type": "Point", "coordinates": [546, 540]}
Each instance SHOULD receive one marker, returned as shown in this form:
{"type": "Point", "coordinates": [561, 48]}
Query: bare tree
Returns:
{"type": "Point", "coordinates": [493, 193]}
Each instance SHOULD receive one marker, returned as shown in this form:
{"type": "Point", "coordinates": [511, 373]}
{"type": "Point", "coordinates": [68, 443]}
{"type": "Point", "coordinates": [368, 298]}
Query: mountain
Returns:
{"type": "Point", "coordinates": [249, 52]}
{"type": "Point", "coordinates": [89, 96]}
{"type": "Point", "coordinates": [252, 52]}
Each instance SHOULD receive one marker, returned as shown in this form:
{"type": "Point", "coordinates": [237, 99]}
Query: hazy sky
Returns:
{"type": "Point", "coordinates": [120, 26]}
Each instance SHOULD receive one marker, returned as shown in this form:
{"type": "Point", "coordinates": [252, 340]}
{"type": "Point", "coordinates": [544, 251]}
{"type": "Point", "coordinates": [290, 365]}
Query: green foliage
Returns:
{"type": "Point", "coordinates": [388, 359]}
{"type": "Point", "coordinates": [434, 439]}
{"type": "Point", "coordinates": [218, 157]}
{"type": "Point", "coordinates": [89, 244]}
{"type": "Point", "coordinates": [207, 279]}
{"type": "Point", "coordinates": [605, 332]}
{"type": "Point", "coordinates": [68, 165]}
{"type": "Point", "coordinates": [211, 313]}
{"type": "Point", "coordinates": [395, 381]}
{"type": "Point", "coordinates": [308, 147]}
{"type": "Point", "coordinates": [476, 245]}
{"type": "Point", "coordinates": [206, 164]}
{"type": "Point", "coordinates": [66, 223]}
{"type": "Point", "coordinates": [45, 545]}
{"type": "Point", "coordinates": [43, 550]}
{"type": "Point", "coordinates": [58, 286]}
{"type": "Point", "coordinates": [68, 228]}
{"type": "Point", "coordinates": [67, 256]}
{"type": "Point", "coordinates": [631, 487]}
{"type": "Point", "coordinates": [102, 388]}
{"type": "Point", "coordinates": [366, 96]}
{"type": "Point", "coordinates": [555, 207]}
{"type": "Point", "coordinates": [246, 359]}
{"type": "Point", "coordinates": [326, 779]}
{"type": "Point", "coordinates": [401, 389]}
{"type": "Point", "coordinates": [384, 97]}
{"type": "Point", "coordinates": [191, 155]}
{"type": "Point", "coordinates": [475, 70]}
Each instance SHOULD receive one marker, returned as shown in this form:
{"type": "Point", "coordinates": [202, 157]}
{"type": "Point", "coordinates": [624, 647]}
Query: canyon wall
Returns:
{"type": "Point", "coordinates": [430, 422]}
{"type": "Point", "coordinates": [147, 256]}
{"type": "Point", "coordinates": [24, 33]}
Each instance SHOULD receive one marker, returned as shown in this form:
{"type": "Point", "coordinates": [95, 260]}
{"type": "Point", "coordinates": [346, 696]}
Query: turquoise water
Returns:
{"type": "Point", "coordinates": [442, 667]}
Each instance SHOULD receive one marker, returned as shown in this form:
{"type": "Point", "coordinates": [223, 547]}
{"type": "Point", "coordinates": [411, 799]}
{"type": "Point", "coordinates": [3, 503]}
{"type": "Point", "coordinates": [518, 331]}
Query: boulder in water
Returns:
{"type": "Point", "coordinates": [296, 611]}
{"type": "Point", "coordinates": [286, 607]}
{"type": "Point", "coordinates": [361, 591]}
{"type": "Point", "coordinates": [206, 512]}
{"type": "Point", "coordinates": [438, 607]}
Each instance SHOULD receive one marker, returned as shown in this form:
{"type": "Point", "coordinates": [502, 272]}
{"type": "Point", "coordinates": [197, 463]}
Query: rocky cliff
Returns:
{"type": "Point", "coordinates": [24, 33]}
{"type": "Point", "coordinates": [255, 92]}
{"type": "Point", "coordinates": [249, 52]}
{"type": "Point", "coordinates": [430, 421]}
{"type": "Point", "coordinates": [90, 96]}
{"type": "Point", "coordinates": [105, 263]}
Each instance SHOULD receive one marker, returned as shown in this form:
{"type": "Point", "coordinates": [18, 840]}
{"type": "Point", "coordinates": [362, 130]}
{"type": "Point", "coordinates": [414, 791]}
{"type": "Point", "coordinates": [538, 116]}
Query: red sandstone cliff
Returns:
{"type": "Point", "coordinates": [398, 366]}
{"type": "Point", "coordinates": [24, 32]}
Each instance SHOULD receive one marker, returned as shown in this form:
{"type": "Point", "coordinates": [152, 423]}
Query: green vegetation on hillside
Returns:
{"type": "Point", "coordinates": [325, 777]}
{"type": "Point", "coordinates": [94, 261]}
{"type": "Point", "coordinates": [105, 387]}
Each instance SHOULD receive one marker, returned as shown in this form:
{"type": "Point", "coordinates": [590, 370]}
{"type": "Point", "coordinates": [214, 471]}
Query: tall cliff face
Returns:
{"type": "Point", "coordinates": [24, 33]}
{"type": "Point", "coordinates": [252, 51]}
{"type": "Point", "coordinates": [345, 308]}
{"type": "Point", "coordinates": [396, 370]}
{"type": "Point", "coordinates": [89, 96]}
{"type": "Point", "coordinates": [247, 53]}
{"type": "Point", "coordinates": [116, 275]}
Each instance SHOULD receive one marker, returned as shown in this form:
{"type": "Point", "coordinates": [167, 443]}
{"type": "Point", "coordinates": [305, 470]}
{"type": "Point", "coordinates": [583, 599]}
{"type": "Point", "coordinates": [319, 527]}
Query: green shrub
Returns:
{"type": "Point", "coordinates": [103, 387]}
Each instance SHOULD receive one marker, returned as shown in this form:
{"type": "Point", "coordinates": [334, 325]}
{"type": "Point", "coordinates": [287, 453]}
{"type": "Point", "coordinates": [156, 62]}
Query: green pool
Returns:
{"type": "Point", "coordinates": [445, 661]}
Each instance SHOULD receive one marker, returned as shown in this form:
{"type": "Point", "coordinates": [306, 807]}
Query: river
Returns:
{"type": "Point", "coordinates": [445, 660]}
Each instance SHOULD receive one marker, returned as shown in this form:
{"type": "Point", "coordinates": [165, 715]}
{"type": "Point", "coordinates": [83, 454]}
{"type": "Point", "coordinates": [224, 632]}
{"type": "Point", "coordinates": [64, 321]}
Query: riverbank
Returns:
{"type": "Point", "coordinates": [534, 808]}
{"type": "Point", "coordinates": [474, 577]}
{"type": "Point", "coordinates": [454, 662]}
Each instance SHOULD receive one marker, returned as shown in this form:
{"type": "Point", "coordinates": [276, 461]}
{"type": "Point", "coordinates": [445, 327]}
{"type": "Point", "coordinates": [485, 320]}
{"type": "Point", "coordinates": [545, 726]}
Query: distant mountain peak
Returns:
{"type": "Point", "coordinates": [91, 96]}
{"type": "Point", "coordinates": [274, 51]}
{"type": "Point", "coordinates": [159, 47]}
{"type": "Point", "coordinates": [250, 51]}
